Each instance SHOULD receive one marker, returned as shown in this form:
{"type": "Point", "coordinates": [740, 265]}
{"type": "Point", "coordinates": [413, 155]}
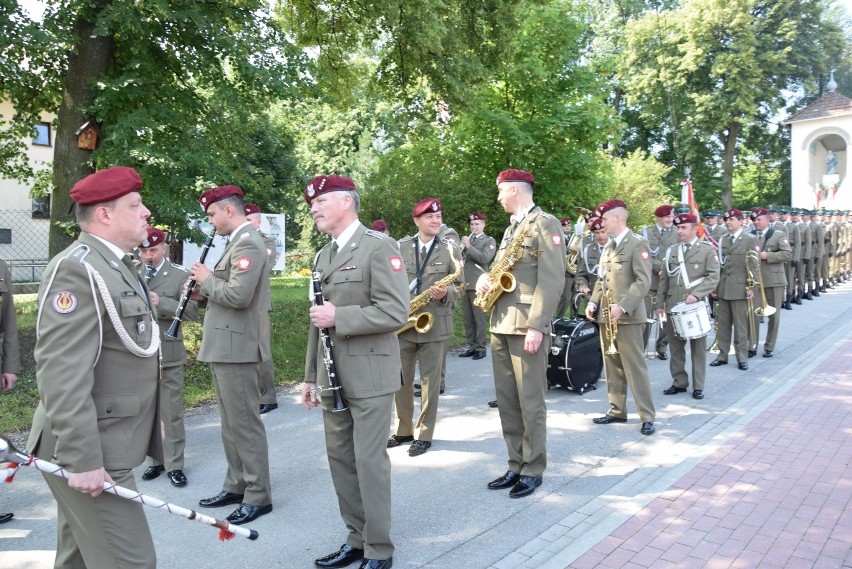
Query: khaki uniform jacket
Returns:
{"type": "Point", "coordinates": [733, 276]}
{"type": "Point", "coordinates": [587, 265]}
{"type": "Point", "coordinates": [818, 239]}
{"type": "Point", "coordinates": [627, 273]}
{"type": "Point", "coordinates": [700, 262]}
{"type": "Point", "coordinates": [717, 232]}
{"type": "Point", "coordinates": [477, 258]}
{"type": "Point", "coordinates": [98, 401]}
{"type": "Point", "coordinates": [776, 245]}
{"type": "Point", "coordinates": [10, 358]}
{"type": "Point", "coordinates": [807, 243]}
{"type": "Point", "coordinates": [440, 266]}
{"type": "Point", "coordinates": [366, 282]}
{"type": "Point", "coordinates": [794, 236]}
{"type": "Point", "coordinates": [237, 296]}
{"type": "Point", "coordinates": [168, 284]}
{"type": "Point", "coordinates": [658, 243]}
{"type": "Point", "coordinates": [539, 276]}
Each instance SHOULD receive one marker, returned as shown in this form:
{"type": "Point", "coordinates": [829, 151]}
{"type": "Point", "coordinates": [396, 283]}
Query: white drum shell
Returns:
{"type": "Point", "coordinates": [691, 321]}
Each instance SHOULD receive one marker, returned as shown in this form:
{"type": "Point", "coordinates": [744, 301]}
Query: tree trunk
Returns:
{"type": "Point", "coordinates": [729, 141]}
{"type": "Point", "coordinates": [90, 59]}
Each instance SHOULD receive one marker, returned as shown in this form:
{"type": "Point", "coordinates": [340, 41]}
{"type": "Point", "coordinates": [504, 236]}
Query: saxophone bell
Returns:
{"type": "Point", "coordinates": [421, 323]}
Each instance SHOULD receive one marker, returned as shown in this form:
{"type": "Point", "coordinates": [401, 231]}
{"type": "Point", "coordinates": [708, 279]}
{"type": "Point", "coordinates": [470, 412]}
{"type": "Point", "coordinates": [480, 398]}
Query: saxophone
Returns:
{"type": "Point", "coordinates": [422, 321]}
{"type": "Point", "coordinates": [502, 279]}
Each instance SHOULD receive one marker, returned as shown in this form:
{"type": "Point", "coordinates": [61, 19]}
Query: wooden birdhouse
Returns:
{"type": "Point", "coordinates": [88, 135]}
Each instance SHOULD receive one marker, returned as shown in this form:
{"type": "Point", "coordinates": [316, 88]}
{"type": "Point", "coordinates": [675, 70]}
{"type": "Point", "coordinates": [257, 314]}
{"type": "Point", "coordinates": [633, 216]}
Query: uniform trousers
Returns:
{"type": "Point", "coordinates": [431, 357]}
{"type": "Point", "coordinates": [520, 380]}
{"type": "Point", "coordinates": [825, 272]}
{"type": "Point", "coordinates": [677, 363]}
{"type": "Point", "coordinates": [810, 272]}
{"type": "Point", "coordinates": [801, 278]}
{"type": "Point", "coordinates": [790, 272]}
{"type": "Point", "coordinates": [475, 324]}
{"type": "Point", "coordinates": [662, 337]}
{"type": "Point", "coordinates": [732, 315]}
{"type": "Point", "coordinates": [171, 415]}
{"type": "Point", "coordinates": [243, 433]}
{"type": "Point", "coordinates": [356, 444]}
{"type": "Point", "coordinates": [267, 382]}
{"type": "Point", "coordinates": [627, 367]}
{"type": "Point", "coordinates": [774, 297]}
{"type": "Point", "coordinates": [106, 532]}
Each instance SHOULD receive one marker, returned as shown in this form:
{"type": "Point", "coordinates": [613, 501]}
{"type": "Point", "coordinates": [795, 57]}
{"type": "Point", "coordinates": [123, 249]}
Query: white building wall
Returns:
{"type": "Point", "coordinates": [810, 143]}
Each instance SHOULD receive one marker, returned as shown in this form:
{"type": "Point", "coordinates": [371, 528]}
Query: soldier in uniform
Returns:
{"type": "Point", "coordinates": [429, 263]}
{"type": "Point", "coordinates": [268, 397]}
{"type": "Point", "coordinates": [829, 241]}
{"type": "Point", "coordinates": [97, 377]}
{"type": "Point", "coordinates": [381, 226]}
{"type": "Point", "coordinates": [590, 257]}
{"type": "Point", "coordinates": [794, 236]}
{"type": "Point", "coordinates": [659, 237]}
{"type": "Point", "coordinates": [521, 322]}
{"type": "Point", "coordinates": [10, 360]}
{"type": "Point", "coordinates": [804, 259]}
{"type": "Point", "coordinates": [820, 252]}
{"type": "Point", "coordinates": [774, 251]}
{"type": "Point", "coordinates": [691, 274]}
{"type": "Point", "coordinates": [625, 277]}
{"type": "Point", "coordinates": [568, 288]}
{"type": "Point", "coordinates": [712, 224]}
{"type": "Point", "coordinates": [236, 295]}
{"type": "Point", "coordinates": [813, 254]}
{"type": "Point", "coordinates": [366, 301]}
{"type": "Point", "coordinates": [478, 250]}
{"type": "Point", "coordinates": [165, 281]}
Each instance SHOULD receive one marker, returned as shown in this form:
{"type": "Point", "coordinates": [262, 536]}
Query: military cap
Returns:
{"type": "Point", "coordinates": [427, 205]}
{"type": "Point", "coordinates": [252, 208]}
{"type": "Point", "coordinates": [476, 216]}
{"type": "Point", "coordinates": [106, 185]}
{"type": "Point", "coordinates": [379, 225]}
{"type": "Point", "coordinates": [757, 212]}
{"type": "Point", "coordinates": [606, 206]}
{"type": "Point", "coordinates": [685, 218]}
{"type": "Point", "coordinates": [682, 208]}
{"type": "Point", "coordinates": [733, 212]}
{"type": "Point", "coordinates": [214, 195]}
{"type": "Point", "coordinates": [513, 175]}
{"type": "Point", "coordinates": [664, 210]}
{"type": "Point", "coordinates": [324, 184]}
{"type": "Point", "coordinates": [596, 223]}
{"type": "Point", "coordinates": [155, 237]}
{"type": "Point", "coordinates": [712, 213]}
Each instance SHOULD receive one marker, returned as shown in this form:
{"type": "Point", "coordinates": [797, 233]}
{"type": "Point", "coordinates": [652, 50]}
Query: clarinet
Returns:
{"type": "Point", "coordinates": [172, 332]}
{"type": "Point", "coordinates": [327, 355]}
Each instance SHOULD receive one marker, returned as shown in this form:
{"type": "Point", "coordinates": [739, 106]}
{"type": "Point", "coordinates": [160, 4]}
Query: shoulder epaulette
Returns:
{"type": "Point", "coordinates": [407, 239]}
{"type": "Point", "coordinates": [79, 252]}
{"type": "Point", "coordinates": [180, 267]}
{"type": "Point", "coordinates": [548, 215]}
{"type": "Point", "coordinates": [642, 237]}
{"type": "Point", "coordinates": [376, 234]}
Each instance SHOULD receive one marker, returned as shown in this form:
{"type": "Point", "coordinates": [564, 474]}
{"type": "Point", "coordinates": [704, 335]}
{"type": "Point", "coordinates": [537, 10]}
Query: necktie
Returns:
{"type": "Point", "coordinates": [333, 250]}
{"type": "Point", "coordinates": [423, 251]}
{"type": "Point", "coordinates": [128, 262]}
{"type": "Point", "coordinates": [150, 274]}
{"type": "Point", "coordinates": [760, 234]}
{"type": "Point", "coordinates": [686, 247]}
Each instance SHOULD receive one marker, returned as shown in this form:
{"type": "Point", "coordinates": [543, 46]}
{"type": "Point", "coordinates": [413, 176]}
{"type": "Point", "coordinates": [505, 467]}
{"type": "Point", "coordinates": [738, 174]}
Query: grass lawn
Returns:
{"type": "Point", "coordinates": [289, 322]}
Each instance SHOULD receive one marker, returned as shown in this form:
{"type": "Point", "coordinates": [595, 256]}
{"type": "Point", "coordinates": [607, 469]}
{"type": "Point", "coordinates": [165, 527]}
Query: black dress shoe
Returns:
{"type": "Point", "coordinates": [396, 440]}
{"type": "Point", "coordinates": [6, 517]}
{"type": "Point", "coordinates": [815, 292]}
{"type": "Point", "coordinates": [493, 404]}
{"type": "Point", "coordinates": [662, 356]}
{"type": "Point", "coordinates": [742, 366]}
{"type": "Point", "coordinates": [342, 557]}
{"type": "Point", "coordinates": [674, 389]}
{"type": "Point", "coordinates": [418, 393]}
{"type": "Point", "coordinates": [607, 419]}
{"type": "Point", "coordinates": [647, 429]}
{"type": "Point", "coordinates": [752, 353]}
{"type": "Point", "coordinates": [419, 447]}
{"type": "Point", "coordinates": [808, 296]}
{"type": "Point", "coordinates": [767, 353]}
{"type": "Point", "coordinates": [525, 486]}
{"type": "Point", "coordinates": [717, 362]}
{"type": "Point", "coordinates": [478, 355]}
{"type": "Point", "coordinates": [221, 499]}
{"type": "Point", "coordinates": [467, 353]}
{"type": "Point", "coordinates": [505, 481]}
{"type": "Point", "coordinates": [786, 305]}
{"type": "Point", "coordinates": [416, 386]}
{"type": "Point", "coordinates": [153, 472]}
{"type": "Point", "coordinates": [798, 300]}
{"type": "Point", "coordinates": [177, 478]}
{"type": "Point", "coordinates": [441, 391]}
{"type": "Point", "coordinates": [247, 513]}
{"type": "Point", "coordinates": [698, 394]}
{"type": "Point", "coordinates": [267, 407]}
{"type": "Point", "coordinates": [376, 564]}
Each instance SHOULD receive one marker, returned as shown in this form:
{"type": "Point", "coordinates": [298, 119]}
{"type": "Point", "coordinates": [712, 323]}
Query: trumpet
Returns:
{"type": "Point", "coordinates": [764, 309]}
{"type": "Point", "coordinates": [610, 327]}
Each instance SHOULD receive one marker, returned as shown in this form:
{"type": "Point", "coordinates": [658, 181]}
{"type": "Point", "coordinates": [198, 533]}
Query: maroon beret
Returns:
{"type": "Point", "coordinates": [379, 225]}
{"type": "Point", "coordinates": [475, 215]}
{"type": "Point", "coordinates": [566, 221]}
{"type": "Point", "coordinates": [324, 184]}
{"type": "Point", "coordinates": [155, 237]}
{"type": "Point", "coordinates": [587, 217]}
{"type": "Point", "coordinates": [757, 212]}
{"type": "Point", "coordinates": [428, 205]}
{"type": "Point", "coordinates": [606, 206]}
{"type": "Point", "coordinates": [252, 208]}
{"type": "Point", "coordinates": [106, 185]}
{"type": "Point", "coordinates": [596, 223]}
{"type": "Point", "coordinates": [685, 218]}
{"type": "Point", "coordinates": [733, 212]}
{"type": "Point", "coordinates": [664, 210]}
{"type": "Point", "coordinates": [512, 175]}
{"type": "Point", "coordinates": [213, 195]}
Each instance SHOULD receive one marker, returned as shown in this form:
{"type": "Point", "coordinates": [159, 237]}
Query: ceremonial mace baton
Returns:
{"type": "Point", "coordinates": [8, 453]}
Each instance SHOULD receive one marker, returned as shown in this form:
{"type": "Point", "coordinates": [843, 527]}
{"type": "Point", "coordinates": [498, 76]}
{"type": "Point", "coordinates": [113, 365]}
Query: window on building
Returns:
{"type": "Point", "coordinates": [42, 134]}
{"type": "Point", "coordinates": [41, 207]}
{"type": "Point", "coordinates": [5, 236]}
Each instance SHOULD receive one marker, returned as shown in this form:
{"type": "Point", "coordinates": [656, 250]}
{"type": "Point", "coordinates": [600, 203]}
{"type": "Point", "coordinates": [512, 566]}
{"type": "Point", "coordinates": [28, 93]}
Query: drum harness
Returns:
{"type": "Point", "coordinates": [679, 270]}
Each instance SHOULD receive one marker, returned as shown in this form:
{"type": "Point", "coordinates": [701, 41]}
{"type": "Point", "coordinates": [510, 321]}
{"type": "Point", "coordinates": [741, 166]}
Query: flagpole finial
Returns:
{"type": "Point", "coordinates": [686, 171]}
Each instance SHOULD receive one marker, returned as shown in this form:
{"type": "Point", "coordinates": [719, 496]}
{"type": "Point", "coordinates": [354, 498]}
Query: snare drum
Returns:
{"type": "Point", "coordinates": [691, 321]}
{"type": "Point", "coordinates": [575, 361]}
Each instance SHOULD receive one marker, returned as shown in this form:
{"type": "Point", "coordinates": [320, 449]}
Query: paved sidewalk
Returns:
{"type": "Point", "coordinates": [777, 494]}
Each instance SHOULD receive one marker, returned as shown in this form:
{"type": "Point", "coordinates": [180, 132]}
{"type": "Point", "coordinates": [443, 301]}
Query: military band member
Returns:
{"type": "Point", "coordinates": [794, 236]}
{"type": "Point", "coordinates": [713, 226]}
{"type": "Point", "coordinates": [165, 282]}
{"type": "Point", "coordinates": [97, 376]}
{"type": "Point", "coordinates": [590, 257]}
{"type": "Point", "coordinates": [802, 271]}
{"type": "Point", "coordinates": [268, 397]}
{"type": "Point", "coordinates": [10, 359]}
{"type": "Point", "coordinates": [813, 253]}
{"type": "Point", "coordinates": [478, 251]}
{"type": "Point", "coordinates": [623, 283]}
{"type": "Point", "coordinates": [829, 245]}
{"type": "Point", "coordinates": [381, 226]}
{"type": "Point", "coordinates": [820, 252]}
{"type": "Point", "coordinates": [568, 288]}
{"type": "Point", "coordinates": [366, 296]}
{"type": "Point", "coordinates": [774, 252]}
{"type": "Point", "coordinates": [660, 237]}
{"type": "Point", "coordinates": [733, 291]}
{"type": "Point", "coordinates": [521, 322]}
{"type": "Point", "coordinates": [428, 262]}
{"type": "Point", "coordinates": [236, 295]}
{"type": "Point", "coordinates": [691, 274]}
